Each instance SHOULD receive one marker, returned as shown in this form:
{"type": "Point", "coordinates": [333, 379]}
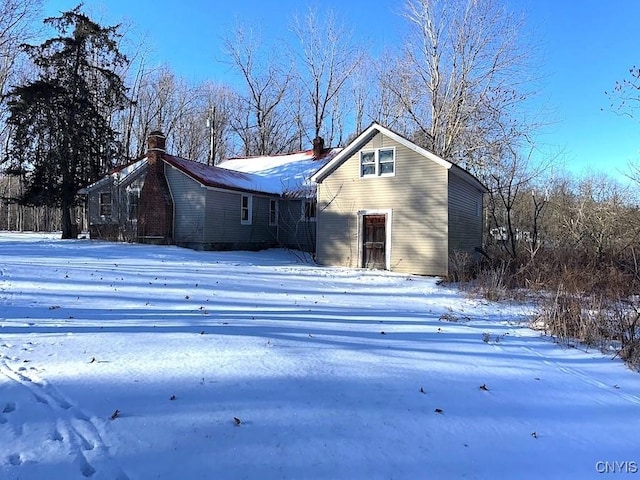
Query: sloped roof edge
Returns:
{"type": "Point", "coordinates": [129, 172]}
{"type": "Point", "coordinates": [224, 178]}
{"type": "Point", "coordinates": [363, 138]}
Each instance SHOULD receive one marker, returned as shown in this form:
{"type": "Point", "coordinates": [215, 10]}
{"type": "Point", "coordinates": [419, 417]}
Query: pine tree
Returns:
{"type": "Point", "coordinates": [62, 137]}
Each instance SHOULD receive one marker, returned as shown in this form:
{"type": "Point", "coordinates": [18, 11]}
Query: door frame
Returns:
{"type": "Point", "coordinates": [388, 215]}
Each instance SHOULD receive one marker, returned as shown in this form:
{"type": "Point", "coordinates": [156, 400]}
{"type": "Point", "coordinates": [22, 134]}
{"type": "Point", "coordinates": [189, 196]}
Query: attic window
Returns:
{"type": "Point", "coordinates": [246, 207]}
{"type": "Point", "coordinates": [378, 163]}
{"type": "Point", "coordinates": [367, 163]}
{"type": "Point", "coordinates": [105, 204]}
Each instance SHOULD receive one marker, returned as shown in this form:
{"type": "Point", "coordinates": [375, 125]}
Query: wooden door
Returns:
{"type": "Point", "coordinates": [374, 241]}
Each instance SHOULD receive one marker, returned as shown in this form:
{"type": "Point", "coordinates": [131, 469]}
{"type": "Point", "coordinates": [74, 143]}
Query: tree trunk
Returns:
{"type": "Point", "coordinates": [67, 226]}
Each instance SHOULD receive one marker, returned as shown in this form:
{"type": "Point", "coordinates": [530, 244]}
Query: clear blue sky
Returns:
{"type": "Point", "coordinates": [585, 47]}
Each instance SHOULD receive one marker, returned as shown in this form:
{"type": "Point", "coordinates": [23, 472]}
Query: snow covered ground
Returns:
{"type": "Point", "coordinates": [121, 361]}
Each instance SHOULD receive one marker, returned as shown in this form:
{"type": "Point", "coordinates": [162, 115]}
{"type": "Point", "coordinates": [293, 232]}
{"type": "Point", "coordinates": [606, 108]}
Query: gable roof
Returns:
{"type": "Point", "coordinates": [287, 174]}
{"type": "Point", "coordinates": [213, 176]}
{"type": "Point", "coordinates": [371, 132]}
{"type": "Point", "coordinates": [121, 175]}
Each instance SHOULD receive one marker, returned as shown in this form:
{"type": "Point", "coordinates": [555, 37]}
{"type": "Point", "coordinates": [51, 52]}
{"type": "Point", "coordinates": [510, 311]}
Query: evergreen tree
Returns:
{"type": "Point", "coordinates": [62, 137]}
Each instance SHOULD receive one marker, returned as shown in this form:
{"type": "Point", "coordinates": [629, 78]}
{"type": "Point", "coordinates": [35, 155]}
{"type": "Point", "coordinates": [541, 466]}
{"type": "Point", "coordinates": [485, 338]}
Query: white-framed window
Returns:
{"type": "Point", "coordinates": [246, 209]}
{"type": "Point", "coordinates": [104, 204]}
{"type": "Point", "coordinates": [380, 162]}
{"type": "Point", "coordinates": [273, 212]}
{"type": "Point", "coordinates": [309, 210]}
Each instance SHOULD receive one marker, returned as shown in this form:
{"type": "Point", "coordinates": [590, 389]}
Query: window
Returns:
{"type": "Point", "coordinates": [273, 212]}
{"type": "Point", "coordinates": [367, 163]}
{"type": "Point", "coordinates": [134, 197]}
{"type": "Point", "coordinates": [105, 204]}
{"type": "Point", "coordinates": [309, 210]}
{"type": "Point", "coordinates": [378, 163]}
{"type": "Point", "coordinates": [246, 213]}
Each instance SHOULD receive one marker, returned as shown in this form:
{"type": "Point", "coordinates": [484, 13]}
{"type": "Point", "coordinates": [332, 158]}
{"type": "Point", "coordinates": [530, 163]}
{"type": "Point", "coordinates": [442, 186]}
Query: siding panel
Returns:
{"type": "Point", "coordinates": [189, 205]}
{"type": "Point", "coordinates": [417, 196]}
{"type": "Point", "coordinates": [223, 228]}
{"type": "Point", "coordinates": [294, 231]}
{"type": "Point", "coordinates": [465, 216]}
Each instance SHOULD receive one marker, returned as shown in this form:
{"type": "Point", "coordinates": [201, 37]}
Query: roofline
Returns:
{"type": "Point", "coordinates": [168, 159]}
{"type": "Point", "coordinates": [110, 175]}
{"type": "Point", "coordinates": [469, 177]}
{"type": "Point", "coordinates": [365, 136]}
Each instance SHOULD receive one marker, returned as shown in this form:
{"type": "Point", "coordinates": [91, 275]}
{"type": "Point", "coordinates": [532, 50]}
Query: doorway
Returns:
{"type": "Point", "coordinates": [374, 240]}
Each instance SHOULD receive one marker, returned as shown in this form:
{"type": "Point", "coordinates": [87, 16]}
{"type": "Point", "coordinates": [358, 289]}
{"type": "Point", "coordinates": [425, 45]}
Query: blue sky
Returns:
{"type": "Point", "coordinates": [584, 47]}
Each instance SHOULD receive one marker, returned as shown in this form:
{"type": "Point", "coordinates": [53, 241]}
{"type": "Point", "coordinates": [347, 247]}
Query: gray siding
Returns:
{"type": "Point", "coordinates": [223, 228]}
{"type": "Point", "coordinates": [119, 225]}
{"type": "Point", "coordinates": [189, 206]}
{"type": "Point", "coordinates": [93, 206]}
{"type": "Point", "coordinates": [465, 216]}
{"type": "Point", "coordinates": [416, 196]}
{"type": "Point", "coordinates": [293, 230]}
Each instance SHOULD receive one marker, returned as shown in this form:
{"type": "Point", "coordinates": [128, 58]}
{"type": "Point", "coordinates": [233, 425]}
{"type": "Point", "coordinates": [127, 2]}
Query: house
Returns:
{"type": "Point", "coordinates": [384, 202]}
{"type": "Point", "coordinates": [381, 202]}
{"type": "Point", "coordinates": [112, 202]}
{"type": "Point", "coordinates": [248, 203]}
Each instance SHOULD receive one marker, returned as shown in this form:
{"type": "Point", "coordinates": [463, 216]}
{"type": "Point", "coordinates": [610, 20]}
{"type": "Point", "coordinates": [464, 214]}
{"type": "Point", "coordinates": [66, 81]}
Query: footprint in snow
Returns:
{"type": "Point", "coordinates": [9, 407]}
{"type": "Point", "coordinates": [15, 459]}
{"type": "Point", "coordinates": [56, 436]}
{"type": "Point", "coordinates": [86, 468]}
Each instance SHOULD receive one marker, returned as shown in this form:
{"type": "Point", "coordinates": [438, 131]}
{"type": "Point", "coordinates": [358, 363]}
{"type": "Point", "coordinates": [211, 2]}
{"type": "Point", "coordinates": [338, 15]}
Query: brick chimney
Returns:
{"type": "Point", "coordinates": [156, 141]}
{"type": "Point", "coordinates": [155, 210]}
{"type": "Point", "coordinates": [318, 147]}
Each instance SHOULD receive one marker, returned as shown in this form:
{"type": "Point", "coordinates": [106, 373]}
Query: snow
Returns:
{"type": "Point", "coordinates": [213, 176]}
{"type": "Point", "coordinates": [285, 174]}
{"type": "Point", "coordinates": [125, 361]}
{"type": "Point", "coordinates": [117, 175]}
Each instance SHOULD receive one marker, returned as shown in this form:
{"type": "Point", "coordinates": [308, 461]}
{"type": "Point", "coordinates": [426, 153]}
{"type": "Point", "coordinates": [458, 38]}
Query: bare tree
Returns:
{"type": "Point", "coordinates": [625, 96]}
{"type": "Point", "coordinates": [326, 58]}
{"type": "Point", "coordinates": [17, 25]}
{"type": "Point", "coordinates": [461, 77]}
{"type": "Point", "coordinates": [262, 123]}
{"type": "Point", "coordinates": [218, 102]}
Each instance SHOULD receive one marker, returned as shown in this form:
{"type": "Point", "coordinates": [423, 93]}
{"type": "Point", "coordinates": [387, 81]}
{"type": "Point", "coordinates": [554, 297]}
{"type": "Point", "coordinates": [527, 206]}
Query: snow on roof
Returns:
{"type": "Point", "coordinates": [117, 174]}
{"type": "Point", "coordinates": [124, 171]}
{"type": "Point", "coordinates": [287, 174]}
{"type": "Point", "coordinates": [213, 176]}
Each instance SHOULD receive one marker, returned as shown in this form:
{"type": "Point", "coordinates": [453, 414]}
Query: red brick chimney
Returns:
{"type": "Point", "coordinates": [318, 147]}
{"type": "Point", "coordinates": [155, 210]}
